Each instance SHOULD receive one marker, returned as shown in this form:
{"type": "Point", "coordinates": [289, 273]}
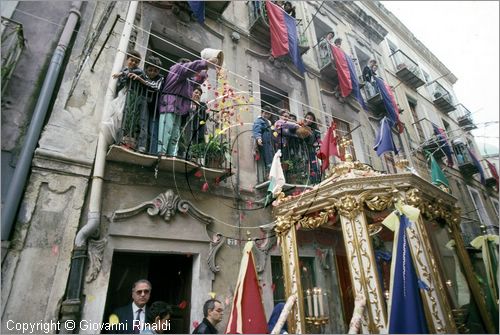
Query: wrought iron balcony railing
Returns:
{"type": "Point", "coordinates": [463, 117]}
{"type": "Point", "coordinates": [442, 98]}
{"type": "Point", "coordinates": [407, 70]}
{"type": "Point", "coordinates": [139, 133]}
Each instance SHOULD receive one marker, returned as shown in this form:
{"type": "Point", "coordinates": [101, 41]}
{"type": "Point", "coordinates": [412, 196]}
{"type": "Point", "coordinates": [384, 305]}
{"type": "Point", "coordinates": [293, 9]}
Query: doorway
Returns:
{"type": "Point", "coordinates": [169, 274]}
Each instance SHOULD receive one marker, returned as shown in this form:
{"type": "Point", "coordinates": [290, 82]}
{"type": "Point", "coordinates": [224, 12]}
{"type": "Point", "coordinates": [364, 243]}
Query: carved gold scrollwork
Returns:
{"type": "Point", "coordinates": [348, 206]}
{"type": "Point", "coordinates": [313, 222]}
{"type": "Point", "coordinates": [283, 223]}
{"type": "Point", "coordinates": [433, 209]}
{"type": "Point", "coordinates": [379, 202]}
{"type": "Point", "coordinates": [413, 197]}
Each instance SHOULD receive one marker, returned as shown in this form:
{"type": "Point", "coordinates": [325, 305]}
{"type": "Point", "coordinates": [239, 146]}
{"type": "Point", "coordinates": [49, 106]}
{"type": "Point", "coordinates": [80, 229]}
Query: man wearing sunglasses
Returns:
{"type": "Point", "coordinates": [131, 317]}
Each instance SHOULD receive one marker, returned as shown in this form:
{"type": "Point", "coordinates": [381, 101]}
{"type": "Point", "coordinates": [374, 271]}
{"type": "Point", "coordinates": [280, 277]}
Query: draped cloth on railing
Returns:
{"type": "Point", "coordinates": [284, 37]}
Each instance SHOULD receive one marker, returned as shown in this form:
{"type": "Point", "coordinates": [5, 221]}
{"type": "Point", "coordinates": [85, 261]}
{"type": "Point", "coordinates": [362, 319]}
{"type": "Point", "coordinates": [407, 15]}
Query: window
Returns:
{"type": "Point", "coordinates": [479, 206]}
{"type": "Point", "coordinates": [495, 204]}
{"type": "Point", "coordinates": [416, 120]}
{"type": "Point", "coordinates": [392, 50]}
{"type": "Point", "coordinates": [273, 96]}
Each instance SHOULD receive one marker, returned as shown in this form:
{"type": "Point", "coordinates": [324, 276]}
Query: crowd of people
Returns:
{"type": "Point", "coordinates": [294, 138]}
{"type": "Point", "coordinates": [156, 108]}
{"type": "Point", "coordinates": [163, 115]}
{"type": "Point", "coordinates": [137, 317]}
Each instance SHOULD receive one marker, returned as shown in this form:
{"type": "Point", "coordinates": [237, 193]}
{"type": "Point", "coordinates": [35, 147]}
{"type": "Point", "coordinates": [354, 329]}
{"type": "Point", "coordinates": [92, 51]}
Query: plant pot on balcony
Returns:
{"type": "Point", "coordinates": [129, 142]}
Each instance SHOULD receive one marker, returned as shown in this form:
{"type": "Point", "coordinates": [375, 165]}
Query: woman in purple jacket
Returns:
{"type": "Point", "coordinates": [175, 100]}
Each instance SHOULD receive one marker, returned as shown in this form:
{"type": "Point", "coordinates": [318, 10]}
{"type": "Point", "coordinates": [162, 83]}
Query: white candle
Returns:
{"type": "Point", "coordinates": [320, 298]}
{"type": "Point", "coordinates": [309, 303]}
{"type": "Point", "coordinates": [315, 301]}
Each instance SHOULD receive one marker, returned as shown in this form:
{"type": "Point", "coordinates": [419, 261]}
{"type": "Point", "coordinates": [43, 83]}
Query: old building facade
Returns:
{"type": "Point", "coordinates": [93, 216]}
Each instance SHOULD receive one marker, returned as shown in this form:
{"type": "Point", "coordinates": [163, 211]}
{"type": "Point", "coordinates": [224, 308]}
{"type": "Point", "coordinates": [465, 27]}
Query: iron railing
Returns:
{"type": "Point", "coordinates": [438, 91]}
{"type": "Point", "coordinates": [402, 60]}
{"type": "Point", "coordinates": [298, 159]}
{"type": "Point", "coordinates": [201, 139]}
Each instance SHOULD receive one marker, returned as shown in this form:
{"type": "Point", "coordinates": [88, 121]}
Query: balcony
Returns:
{"type": "Point", "coordinates": [259, 22]}
{"type": "Point", "coordinates": [214, 9]}
{"type": "Point", "coordinates": [374, 99]}
{"type": "Point", "coordinates": [464, 118]}
{"type": "Point", "coordinates": [12, 47]}
{"type": "Point", "coordinates": [443, 99]}
{"type": "Point", "coordinates": [432, 146]}
{"type": "Point", "coordinates": [326, 62]}
{"type": "Point", "coordinates": [299, 163]}
{"type": "Point", "coordinates": [407, 70]}
{"type": "Point", "coordinates": [490, 180]}
{"type": "Point", "coordinates": [203, 147]}
{"type": "Point", "coordinates": [259, 26]}
{"type": "Point", "coordinates": [465, 163]}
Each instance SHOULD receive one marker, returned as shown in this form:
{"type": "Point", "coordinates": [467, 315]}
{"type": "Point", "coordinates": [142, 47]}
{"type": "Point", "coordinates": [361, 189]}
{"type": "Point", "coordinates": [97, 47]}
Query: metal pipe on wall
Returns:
{"type": "Point", "coordinates": [70, 309]}
{"type": "Point", "coordinates": [16, 189]}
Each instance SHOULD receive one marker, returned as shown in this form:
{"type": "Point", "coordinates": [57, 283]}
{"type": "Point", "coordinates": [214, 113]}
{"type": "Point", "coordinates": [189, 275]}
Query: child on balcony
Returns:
{"type": "Point", "coordinates": [284, 128]}
{"type": "Point", "coordinates": [150, 117]}
{"type": "Point", "coordinates": [125, 108]}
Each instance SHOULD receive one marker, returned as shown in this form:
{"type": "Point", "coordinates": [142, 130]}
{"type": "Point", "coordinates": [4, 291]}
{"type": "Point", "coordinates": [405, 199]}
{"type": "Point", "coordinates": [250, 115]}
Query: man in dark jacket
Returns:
{"type": "Point", "coordinates": [131, 317]}
{"type": "Point", "coordinates": [213, 313]}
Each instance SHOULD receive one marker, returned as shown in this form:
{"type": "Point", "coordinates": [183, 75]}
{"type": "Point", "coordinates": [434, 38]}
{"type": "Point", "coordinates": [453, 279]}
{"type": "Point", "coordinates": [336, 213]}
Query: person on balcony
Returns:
{"type": "Point", "coordinates": [285, 128]}
{"type": "Point", "coordinates": [325, 53]}
{"type": "Point", "coordinates": [338, 42]}
{"type": "Point", "coordinates": [262, 134]}
{"type": "Point", "coordinates": [194, 123]}
{"type": "Point", "coordinates": [148, 116]}
{"type": "Point", "coordinates": [369, 72]}
{"type": "Point", "coordinates": [131, 91]}
{"type": "Point", "coordinates": [289, 9]}
{"type": "Point", "coordinates": [175, 100]}
{"type": "Point", "coordinates": [313, 146]}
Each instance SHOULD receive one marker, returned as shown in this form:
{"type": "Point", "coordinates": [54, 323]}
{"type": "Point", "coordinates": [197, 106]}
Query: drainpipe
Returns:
{"type": "Point", "coordinates": [22, 170]}
{"type": "Point", "coordinates": [70, 309]}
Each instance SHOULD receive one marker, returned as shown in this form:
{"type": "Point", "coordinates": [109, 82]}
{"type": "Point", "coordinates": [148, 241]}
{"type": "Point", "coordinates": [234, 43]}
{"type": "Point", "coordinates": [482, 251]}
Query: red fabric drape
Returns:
{"type": "Point", "coordinates": [343, 73]}
{"type": "Point", "coordinates": [279, 33]}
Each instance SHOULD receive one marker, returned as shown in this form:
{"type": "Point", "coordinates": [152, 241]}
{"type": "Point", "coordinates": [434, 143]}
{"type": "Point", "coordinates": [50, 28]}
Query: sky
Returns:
{"type": "Point", "coordinates": [464, 35]}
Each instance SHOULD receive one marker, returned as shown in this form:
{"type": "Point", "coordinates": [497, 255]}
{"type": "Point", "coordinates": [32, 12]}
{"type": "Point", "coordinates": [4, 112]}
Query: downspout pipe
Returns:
{"type": "Point", "coordinates": [16, 189]}
{"type": "Point", "coordinates": [95, 200]}
{"type": "Point", "coordinates": [70, 309]}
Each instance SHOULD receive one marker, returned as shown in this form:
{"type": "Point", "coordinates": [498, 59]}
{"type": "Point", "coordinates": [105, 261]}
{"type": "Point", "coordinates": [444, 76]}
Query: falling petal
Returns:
{"type": "Point", "coordinates": [195, 324]}
{"type": "Point", "coordinates": [183, 304]}
{"type": "Point", "coordinates": [212, 294]}
{"type": "Point", "coordinates": [204, 188]}
{"type": "Point", "coordinates": [55, 250]}
{"type": "Point", "coordinates": [198, 174]}
{"type": "Point", "coordinates": [202, 122]}
{"type": "Point", "coordinates": [113, 319]}
{"type": "Point", "coordinates": [275, 134]}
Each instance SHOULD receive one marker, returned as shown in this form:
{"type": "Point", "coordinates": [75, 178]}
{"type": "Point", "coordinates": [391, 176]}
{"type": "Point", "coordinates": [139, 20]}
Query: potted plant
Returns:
{"type": "Point", "coordinates": [287, 165]}
{"type": "Point", "coordinates": [215, 152]}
